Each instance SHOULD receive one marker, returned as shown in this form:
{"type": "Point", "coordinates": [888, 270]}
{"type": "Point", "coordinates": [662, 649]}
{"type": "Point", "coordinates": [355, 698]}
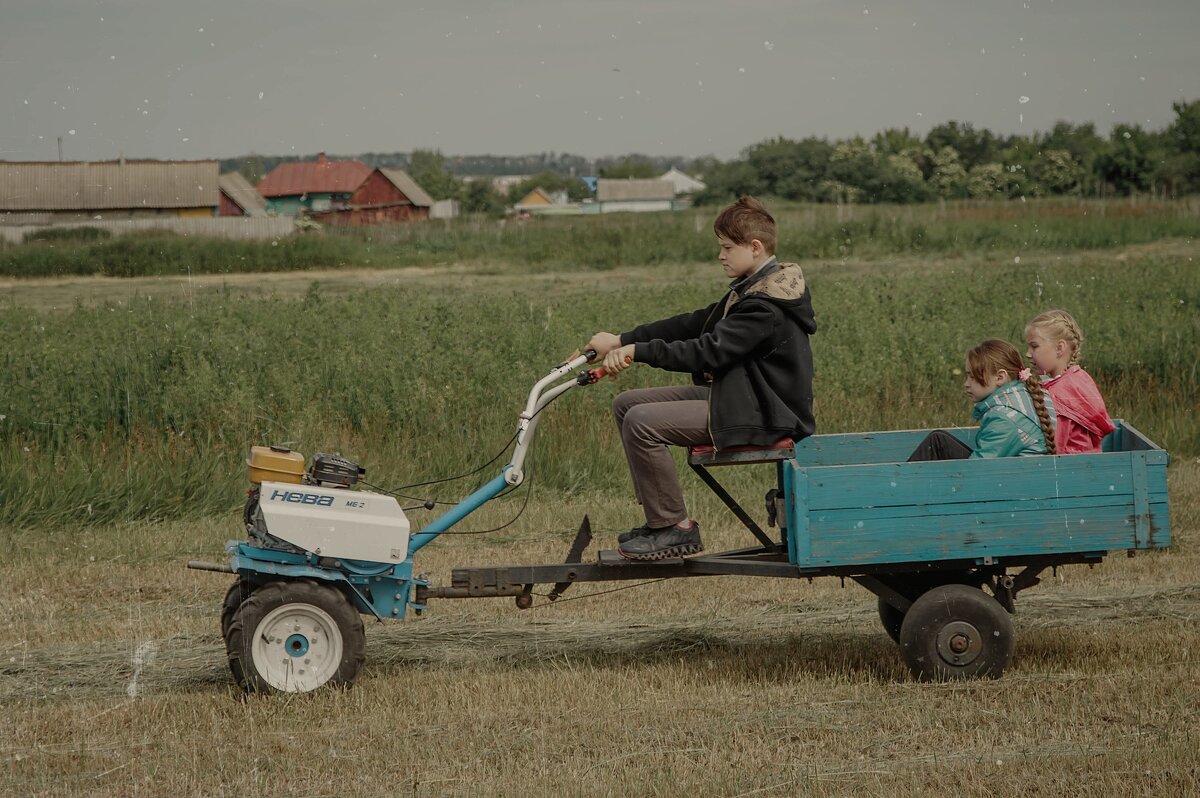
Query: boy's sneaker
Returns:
{"type": "Point", "coordinates": [637, 532]}
{"type": "Point", "coordinates": [659, 544]}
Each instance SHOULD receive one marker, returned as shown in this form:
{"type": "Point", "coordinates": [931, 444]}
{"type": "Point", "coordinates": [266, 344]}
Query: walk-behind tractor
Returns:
{"type": "Point", "coordinates": [945, 546]}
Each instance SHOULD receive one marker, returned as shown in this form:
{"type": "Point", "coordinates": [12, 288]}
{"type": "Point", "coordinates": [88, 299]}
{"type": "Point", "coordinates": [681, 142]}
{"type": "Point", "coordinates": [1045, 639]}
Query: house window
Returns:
{"type": "Point", "coordinates": [320, 204]}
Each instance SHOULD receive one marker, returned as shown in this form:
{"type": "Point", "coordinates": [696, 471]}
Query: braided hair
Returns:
{"type": "Point", "coordinates": [1058, 325]}
{"type": "Point", "coordinates": [986, 361]}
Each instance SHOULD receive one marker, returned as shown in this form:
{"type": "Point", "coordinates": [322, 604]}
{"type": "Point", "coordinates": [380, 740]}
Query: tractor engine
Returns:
{"type": "Point", "coordinates": [315, 509]}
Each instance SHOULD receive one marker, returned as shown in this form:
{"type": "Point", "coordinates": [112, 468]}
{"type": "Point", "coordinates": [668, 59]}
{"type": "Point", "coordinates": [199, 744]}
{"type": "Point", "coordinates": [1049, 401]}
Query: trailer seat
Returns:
{"type": "Point", "coordinates": [705, 455]}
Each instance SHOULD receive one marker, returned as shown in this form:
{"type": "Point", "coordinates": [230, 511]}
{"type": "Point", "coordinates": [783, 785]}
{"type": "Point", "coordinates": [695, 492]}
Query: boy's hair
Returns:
{"type": "Point", "coordinates": [1058, 325]}
{"type": "Point", "coordinates": [986, 360]}
{"type": "Point", "coordinates": [744, 221]}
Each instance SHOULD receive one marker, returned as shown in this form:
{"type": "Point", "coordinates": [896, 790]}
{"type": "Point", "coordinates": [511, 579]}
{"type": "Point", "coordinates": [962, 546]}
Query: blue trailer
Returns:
{"type": "Point", "coordinates": [945, 546]}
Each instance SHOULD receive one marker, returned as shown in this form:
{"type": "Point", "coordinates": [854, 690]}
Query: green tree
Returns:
{"type": "Point", "coordinates": [1127, 162]}
{"type": "Point", "coordinates": [631, 166]}
{"type": "Point", "coordinates": [986, 181]}
{"type": "Point", "coordinates": [895, 141]}
{"type": "Point", "coordinates": [1183, 134]}
{"type": "Point", "coordinates": [948, 178]}
{"type": "Point", "coordinates": [478, 196]}
{"type": "Point", "coordinates": [1179, 171]}
{"type": "Point", "coordinates": [727, 181]}
{"type": "Point", "coordinates": [428, 168]}
{"type": "Point", "coordinates": [973, 146]}
{"type": "Point", "coordinates": [1057, 172]}
{"type": "Point", "coordinates": [790, 169]}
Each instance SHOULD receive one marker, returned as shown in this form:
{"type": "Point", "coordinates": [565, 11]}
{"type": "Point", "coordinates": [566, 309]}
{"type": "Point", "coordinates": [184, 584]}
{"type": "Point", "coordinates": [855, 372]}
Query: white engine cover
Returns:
{"type": "Point", "coordinates": [331, 522]}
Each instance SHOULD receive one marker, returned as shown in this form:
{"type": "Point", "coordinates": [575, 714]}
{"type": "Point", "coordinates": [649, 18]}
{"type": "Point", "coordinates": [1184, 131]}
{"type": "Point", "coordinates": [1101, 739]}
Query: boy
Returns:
{"type": "Point", "coordinates": [751, 367]}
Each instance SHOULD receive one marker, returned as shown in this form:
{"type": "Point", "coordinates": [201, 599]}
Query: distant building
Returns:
{"type": "Point", "coordinates": [344, 192]}
{"type": "Point", "coordinates": [634, 195]}
{"type": "Point", "coordinates": [684, 183]}
{"type": "Point", "coordinates": [539, 200]}
{"type": "Point", "coordinates": [292, 189]}
{"type": "Point", "coordinates": [238, 197]}
{"type": "Point", "coordinates": [444, 209]}
{"type": "Point", "coordinates": [502, 183]}
{"type": "Point", "coordinates": [44, 192]}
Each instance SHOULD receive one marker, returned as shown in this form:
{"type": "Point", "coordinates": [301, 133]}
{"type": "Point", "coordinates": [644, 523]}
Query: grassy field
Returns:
{"type": "Point", "coordinates": [130, 403]}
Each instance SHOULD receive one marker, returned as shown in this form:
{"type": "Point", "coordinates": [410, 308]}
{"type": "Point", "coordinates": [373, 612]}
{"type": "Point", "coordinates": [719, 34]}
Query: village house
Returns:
{"type": "Point", "coordinates": [343, 192]}
{"type": "Point", "coordinates": [685, 184]}
{"type": "Point", "coordinates": [47, 192]}
{"type": "Point", "coordinates": [614, 196]}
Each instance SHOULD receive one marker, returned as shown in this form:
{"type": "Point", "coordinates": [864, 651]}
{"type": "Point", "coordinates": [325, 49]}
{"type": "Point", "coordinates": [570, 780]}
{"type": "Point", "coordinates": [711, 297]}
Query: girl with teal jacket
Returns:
{"type": "Point", "coordinates": [1016, 416]}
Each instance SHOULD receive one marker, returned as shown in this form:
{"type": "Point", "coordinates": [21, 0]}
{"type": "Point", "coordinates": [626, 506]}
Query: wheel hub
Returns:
{"type": "Point", "coordinates": [296, 645]}
{"type": "Point", "coordinates": [959, 643]}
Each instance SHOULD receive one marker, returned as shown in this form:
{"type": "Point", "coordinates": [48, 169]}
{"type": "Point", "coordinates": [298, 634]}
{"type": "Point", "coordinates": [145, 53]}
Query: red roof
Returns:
{"type": "Point", "coordinates": [321, 176]}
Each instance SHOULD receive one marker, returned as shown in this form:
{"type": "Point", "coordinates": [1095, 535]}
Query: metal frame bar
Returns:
{"type": "Point", "coordinates": [512, 580]}
{"type": "Point", "coordinates": [722, 494]}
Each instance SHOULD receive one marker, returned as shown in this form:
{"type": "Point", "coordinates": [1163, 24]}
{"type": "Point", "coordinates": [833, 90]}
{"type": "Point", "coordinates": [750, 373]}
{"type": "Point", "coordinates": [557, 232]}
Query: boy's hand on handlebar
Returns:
{"type": "Point", "coordinates": [617, 360]}
{"type": "Point", "coordinates": [603, 343]}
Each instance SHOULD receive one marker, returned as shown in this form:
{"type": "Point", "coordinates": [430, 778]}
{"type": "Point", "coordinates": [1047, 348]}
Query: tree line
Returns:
{"type": "Point", "coordinates": [954, 160]}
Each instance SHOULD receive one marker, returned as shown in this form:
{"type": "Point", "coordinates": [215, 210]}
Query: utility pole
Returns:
{"type": "Point", "coordinates": [60, 149]}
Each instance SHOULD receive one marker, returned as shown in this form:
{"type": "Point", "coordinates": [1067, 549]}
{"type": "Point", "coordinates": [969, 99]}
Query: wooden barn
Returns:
{"type": "Point", "coordinates": [344, 193]}
{"type": "Point", "coordinates": [387, 195]}
{"type": "Point", "coordinates": [70, 191]}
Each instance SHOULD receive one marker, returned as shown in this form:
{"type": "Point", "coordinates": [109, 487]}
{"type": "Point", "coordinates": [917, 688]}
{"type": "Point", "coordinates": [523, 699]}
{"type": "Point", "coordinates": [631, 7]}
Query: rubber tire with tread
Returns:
{"type": "Point", "coordinates": [962, 615]}
{"type": "Point", "coordinates": [238, 592]}
{"type": "Point", "coordinates": [307, 599]}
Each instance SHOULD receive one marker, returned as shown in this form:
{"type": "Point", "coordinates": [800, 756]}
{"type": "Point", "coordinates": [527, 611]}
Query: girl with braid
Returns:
{"type": "Point", "coordinates": [1016, 417]}
{"type": "Point", "coordinates": [1055, 343]}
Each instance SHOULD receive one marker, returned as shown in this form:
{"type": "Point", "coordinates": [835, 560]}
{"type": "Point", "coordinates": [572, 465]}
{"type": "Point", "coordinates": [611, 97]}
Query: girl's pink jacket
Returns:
{"type": "Point", "coordinates": [1082, 417]}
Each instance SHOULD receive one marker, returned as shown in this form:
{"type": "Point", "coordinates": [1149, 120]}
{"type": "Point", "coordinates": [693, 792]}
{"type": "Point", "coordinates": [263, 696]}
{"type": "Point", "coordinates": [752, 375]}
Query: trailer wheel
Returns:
{"type": "Point", "coordinates": [295, 636]}
{"type": "Point", "coordinates": [956, 632]}
{"type": "Point", "coordinates": [892, 619]}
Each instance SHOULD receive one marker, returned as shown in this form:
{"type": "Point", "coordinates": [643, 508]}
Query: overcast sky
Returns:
{"type": "Point", "coordinates": [221, 78]}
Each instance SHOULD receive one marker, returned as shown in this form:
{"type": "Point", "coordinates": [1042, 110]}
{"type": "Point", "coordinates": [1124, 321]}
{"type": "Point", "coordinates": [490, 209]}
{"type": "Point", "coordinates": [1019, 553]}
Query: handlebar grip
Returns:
{"type": "Point", "coordinates": [601, 372]}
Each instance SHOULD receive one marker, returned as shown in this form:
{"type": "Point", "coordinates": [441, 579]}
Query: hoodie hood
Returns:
{"type": "Point", "coordinates": [783, 285]}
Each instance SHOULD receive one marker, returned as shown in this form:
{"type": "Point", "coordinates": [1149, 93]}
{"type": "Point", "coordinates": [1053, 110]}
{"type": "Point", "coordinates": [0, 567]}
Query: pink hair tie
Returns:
{"type": "Point", "coordinates": [1024, 374]}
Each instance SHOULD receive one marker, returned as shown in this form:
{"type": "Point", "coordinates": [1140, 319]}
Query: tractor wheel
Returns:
{"type": "Point", "coordinates": [892, 619]}
{"type": "Point", "coordinates": [295, 636]}
{"type": "Point", "coordinates": [956, 632]}
{"type": "Point", "coordinates": [238, 592]}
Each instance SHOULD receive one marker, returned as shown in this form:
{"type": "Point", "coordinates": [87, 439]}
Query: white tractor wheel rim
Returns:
{"type": "Point", "coordinates": [297, 648]}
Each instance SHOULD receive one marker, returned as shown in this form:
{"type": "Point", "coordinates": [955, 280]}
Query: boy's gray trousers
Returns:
{"type": "Point", "coordinates": [650, 420]}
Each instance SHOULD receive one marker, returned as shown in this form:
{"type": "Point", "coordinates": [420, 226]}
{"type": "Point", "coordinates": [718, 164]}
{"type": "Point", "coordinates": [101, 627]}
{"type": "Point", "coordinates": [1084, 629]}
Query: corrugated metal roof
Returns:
{"type": "Point", "coordinates": [408, 187]}
{"type": "Point", "coordinates": [617, 190]}
{"type": "Point", "coordinates": [238, 189]}
{"type": "Point", "coordinates": [321, 176]}
{"type": "Point", "coordinates": [105, 185]}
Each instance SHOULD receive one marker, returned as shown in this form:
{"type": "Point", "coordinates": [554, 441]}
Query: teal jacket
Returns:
{"type": "Point", "coordinates": [1008, 424]}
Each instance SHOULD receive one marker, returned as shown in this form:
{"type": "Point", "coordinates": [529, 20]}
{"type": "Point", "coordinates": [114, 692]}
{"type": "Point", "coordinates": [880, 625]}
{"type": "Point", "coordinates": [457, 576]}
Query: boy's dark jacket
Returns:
{"type": "Point", "coordinates": [754, 344]}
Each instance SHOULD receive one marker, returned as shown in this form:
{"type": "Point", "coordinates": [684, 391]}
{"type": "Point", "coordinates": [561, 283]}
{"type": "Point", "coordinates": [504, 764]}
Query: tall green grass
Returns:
{"type": "Point", "coordinates": [604, 242]}
{"type": "Point", "coordinates": [146, 409]}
